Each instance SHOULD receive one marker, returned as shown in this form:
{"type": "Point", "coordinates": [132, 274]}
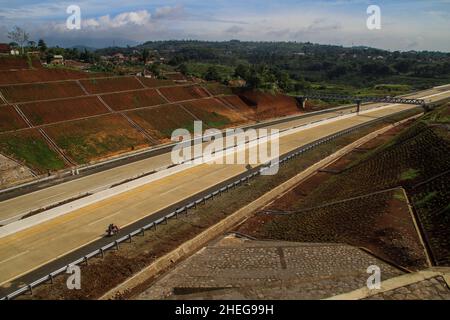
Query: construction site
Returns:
{"type": "Point", "coordinates": [358, 186]}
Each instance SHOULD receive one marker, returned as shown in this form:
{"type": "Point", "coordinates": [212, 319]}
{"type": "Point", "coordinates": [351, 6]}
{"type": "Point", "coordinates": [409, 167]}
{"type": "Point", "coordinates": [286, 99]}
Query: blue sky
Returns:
{"type": "Point", "coordinates": [406, 24]}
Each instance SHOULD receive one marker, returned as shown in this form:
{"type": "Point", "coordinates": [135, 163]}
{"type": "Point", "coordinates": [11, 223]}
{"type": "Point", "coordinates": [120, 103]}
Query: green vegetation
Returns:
{"type": "Point", "coordinates": [399, 195]}
{"type": "Point", "coordinates": [298, 67]}
{"type": "Point", "coordinates": [34, 152]}
{"type": "Point", "coordinates": [426, 199]}
{"type": "Point", "coordinates": [167, 132]}
{"type": "Point", "coordinates": [84, 149]}
{"type": "Point", "coordinates": [409, 174]}
{"type": "Point", "coordinates": [207, 71]}
{"type": "Point", "coordinates": [439, 116]}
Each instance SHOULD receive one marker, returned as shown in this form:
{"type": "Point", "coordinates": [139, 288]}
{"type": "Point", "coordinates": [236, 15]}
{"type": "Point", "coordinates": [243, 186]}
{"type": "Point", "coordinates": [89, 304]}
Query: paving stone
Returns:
{"type": "Point", "coordinates": [252, 269]}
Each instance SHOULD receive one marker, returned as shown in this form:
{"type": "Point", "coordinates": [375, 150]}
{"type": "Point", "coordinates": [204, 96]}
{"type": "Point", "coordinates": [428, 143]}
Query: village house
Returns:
{"type": "Point", "coordinates": [57, 60]}
{"type": "Point", "coordinates": [5, 49]}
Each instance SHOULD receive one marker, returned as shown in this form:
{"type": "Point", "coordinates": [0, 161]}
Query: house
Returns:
{"type": "Point", "coordinates": [119, 57]}
{"type": "Point", "coordinates": [57, 60]}
{"type": "Point", "coordinates": [5, 48]}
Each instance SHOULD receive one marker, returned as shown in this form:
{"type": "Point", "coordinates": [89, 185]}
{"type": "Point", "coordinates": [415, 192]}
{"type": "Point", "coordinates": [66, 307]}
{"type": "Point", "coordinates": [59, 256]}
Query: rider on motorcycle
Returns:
{"type": "Point", "coordinates": [112, 229]}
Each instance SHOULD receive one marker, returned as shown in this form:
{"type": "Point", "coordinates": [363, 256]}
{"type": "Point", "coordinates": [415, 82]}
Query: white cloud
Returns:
{"type": "Point", "coordinates": [169, 12]}
{"type": "Point", "coordinates": [136, 18]}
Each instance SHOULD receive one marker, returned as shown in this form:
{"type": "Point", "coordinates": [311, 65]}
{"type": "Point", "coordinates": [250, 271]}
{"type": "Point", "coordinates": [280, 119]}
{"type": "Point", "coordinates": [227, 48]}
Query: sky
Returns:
{"type": "Point", "coordinates": [405, 24]}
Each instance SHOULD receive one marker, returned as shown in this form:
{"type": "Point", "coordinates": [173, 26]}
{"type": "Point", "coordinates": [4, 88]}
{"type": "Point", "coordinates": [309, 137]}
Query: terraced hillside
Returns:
{"type": "Point", "coordinates": [418, 160]}
{"type": "Point", "coordinates": [83, 117]}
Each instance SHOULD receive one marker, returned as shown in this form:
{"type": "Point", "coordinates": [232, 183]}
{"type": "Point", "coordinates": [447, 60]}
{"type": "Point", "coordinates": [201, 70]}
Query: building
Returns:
{"type": "Point", "coordinates": [5, 49]}
{"type": "Point", "coordinates": [57, 60]}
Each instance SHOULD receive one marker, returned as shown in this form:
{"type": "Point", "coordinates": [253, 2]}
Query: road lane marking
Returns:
{"type": "Point", "coordinates": [15, 256]}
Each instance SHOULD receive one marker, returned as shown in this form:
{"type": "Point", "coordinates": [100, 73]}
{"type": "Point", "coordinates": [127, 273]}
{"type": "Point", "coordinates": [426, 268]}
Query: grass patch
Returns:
{"type": "Point", "coordinates": [426, 199]}
{"type": "Point", "coordinates": [399, 195]}
{"type": "Point", "coordinates": [409, 174]}
{"type": "Point", "coordinates": [83, 149]}
{"type": "Point", "coordinates": [33, 151]}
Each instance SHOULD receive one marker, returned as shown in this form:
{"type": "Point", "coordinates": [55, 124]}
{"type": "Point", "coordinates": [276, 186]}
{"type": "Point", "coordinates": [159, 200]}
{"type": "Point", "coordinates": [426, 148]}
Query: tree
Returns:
{"type": "Point", "coordinates": [183, 68]}
{"type": "Point", "coordinates": [242, 71]}
{"type": "Point", "coordinates": [145, 55]}
{"type": "Point", "coordinates": [154, 68]}
{"type": "Point", "coordinates": [32, 44]}
{"type": "Point", "coordinates": [19, 35]}
{"type": "Point", "coordinates": [212, 74]}
{"type": "Point", "coordinates": [42, 45]}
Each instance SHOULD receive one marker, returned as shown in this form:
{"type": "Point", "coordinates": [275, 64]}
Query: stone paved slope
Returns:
{"type": "Point", "coordinates": [246, 269]}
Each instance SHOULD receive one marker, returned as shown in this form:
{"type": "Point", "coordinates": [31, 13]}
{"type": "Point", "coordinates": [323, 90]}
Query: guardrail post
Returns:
{"type": "Point", "coordinates": [154, 226]}
{"type": "Point", "coordinates": [142, 232]}
{"type": "Point", "coordinates": [102, 252]}
{"type": "Point", "coordinates": [116, 245]}
{"type": "Point", "coordinates": [358, 105]}
{"type": "Point", "coordinates": [30, 289]}
{"type": "Point", "coordinates": [51, 278]}
{"type": "Point", "coordinates": [165, 220]}
{"type": "Point", "coordinates": [129, 238]}
{"type": "Point", "coordinates": [86, 260]}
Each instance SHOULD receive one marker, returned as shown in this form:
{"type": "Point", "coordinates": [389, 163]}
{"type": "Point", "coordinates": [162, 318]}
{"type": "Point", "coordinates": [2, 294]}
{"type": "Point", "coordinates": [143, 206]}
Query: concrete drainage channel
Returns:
{"type": "Point", "coordinates": [114, 245]}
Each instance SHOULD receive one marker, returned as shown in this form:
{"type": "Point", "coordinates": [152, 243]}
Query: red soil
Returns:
{"type": "Point", "coordinates": [43, 75]}
{"type": "Point", "coordinates": [111, 84]}
{"type": "Point", "coordinates": [270, 106]}
{"type": "Point", "coordinates": [133, 100]}
{"type": "Point", "coordinates": [61, 110]}
{"type": "Point", "coordinates": [241, 106]}
{"type": "Point", "coordinates": [175, 94]}
{"type": "Point", "coordinates": [41, 91]}
{"type": "Point", "coordinates": [12, 63]}
{"type": "Point", "coordinates": [175, 76]}
{"type": "Point", "coordinates": [216, 88]}
{"type": "Point", "coordinates": [161, 121]}
{"type": "Point", "coordinates": [96, 138]}
{"type": "Point", "coordinates": [152, 83]}
{"type": "Point", "coordinates": [10, 119]}
{"type": "Point", "coordinates": [213, 106]}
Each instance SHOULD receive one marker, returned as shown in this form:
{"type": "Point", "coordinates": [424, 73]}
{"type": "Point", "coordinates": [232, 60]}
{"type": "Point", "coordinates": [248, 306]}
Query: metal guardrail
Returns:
{"type": "Point", "coordinates": [184, 210]}
{"type": "Point", "coordinates": [399, 100]}
{"type": "Point", "coordinates": [148, 151]}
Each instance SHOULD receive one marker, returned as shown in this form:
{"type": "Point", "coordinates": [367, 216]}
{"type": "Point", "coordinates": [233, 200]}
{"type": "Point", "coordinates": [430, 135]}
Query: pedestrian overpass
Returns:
{"type": "Point", "coordinates": [359, 100]}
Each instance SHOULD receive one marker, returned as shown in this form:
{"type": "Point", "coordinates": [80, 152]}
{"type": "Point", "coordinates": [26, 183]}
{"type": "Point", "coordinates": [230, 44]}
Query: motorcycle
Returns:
{"type": "Point", "coordinates": [112, 230]}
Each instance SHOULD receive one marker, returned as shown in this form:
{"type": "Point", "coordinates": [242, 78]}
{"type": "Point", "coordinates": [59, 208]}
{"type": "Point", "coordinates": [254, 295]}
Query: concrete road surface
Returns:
{"type": "Point", "coordinates": [15, 208]}
{"type": "Point", "coordinates": [26, 250]}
